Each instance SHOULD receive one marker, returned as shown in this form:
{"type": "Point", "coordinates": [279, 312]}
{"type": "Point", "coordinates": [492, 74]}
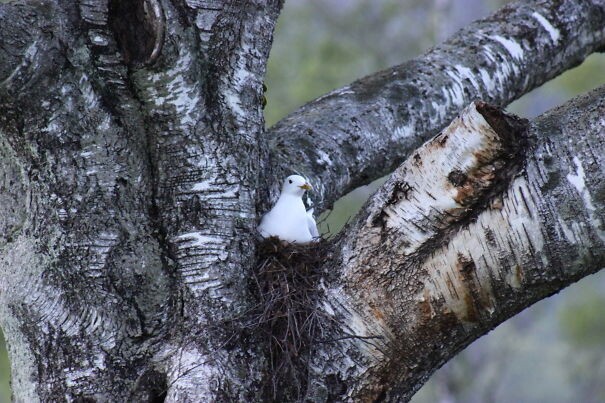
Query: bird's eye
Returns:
{"type": "Point", "coordinates": [290, 180]}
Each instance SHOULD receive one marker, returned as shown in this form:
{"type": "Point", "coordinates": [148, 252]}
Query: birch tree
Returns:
{"type": "Point", "coordinates": [134, 167]}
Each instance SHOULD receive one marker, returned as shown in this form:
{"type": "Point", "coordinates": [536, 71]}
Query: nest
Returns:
{"type": "Point", "coordinates": [286, 282]}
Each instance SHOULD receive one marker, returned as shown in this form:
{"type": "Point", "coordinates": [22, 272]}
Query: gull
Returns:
{"type": "Point", "coordinates": [288, 219]}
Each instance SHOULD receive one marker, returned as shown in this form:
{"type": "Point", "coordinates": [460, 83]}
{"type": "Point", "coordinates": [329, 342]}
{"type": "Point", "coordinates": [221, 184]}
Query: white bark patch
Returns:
{"type": "Point", "coordinates": [402, 132]}
{"type": "Point", "coordinates": [501, 70]}
{"type": "Point", "coordinates": [453, 95]}
{"type": "Point", "coordinates": [461, 73]}
{"type": "Point", "coordinates": [196, 239]}
{"type": "Point", "coordinates": [488, 81]}
{"type": "Point", "coordinates": [485, 243]}
{"type": "Point", "coordinates": [512, 47]}
{"type": "Point", "coordinates": [426, 196]}
{"type": "Point", "coordinates": [500, 73]}
{"type": "Point", "coordinates": [552, 31]}
{"type": "Point", "coordinates": [568, 233]}
{"type": "Point", "coordinates": [91, 99]}
{"type": "Point", "coordinates": [98, 37]}
{"type": "Point", "coordinates": [206, 18]}
{"type": "Point", "coordinates": [324, 158]}
{"type": "Point", "coordinates": [369, 335]}
{"type": "Point", "coordinates": [192, 374]}
{"type": "Point", "coordinates": [196, 252]}
{"type": "Point", "coordinates": [232, 89]}
{"type": "Point", "coordinates": [171, 88]}
{"type": "Point", "coordinates": [440, 112]}
{"type": "Point", "coordinates": [577, 180]}
{"type": "Point", "coordinates": [207, 189]}
{"type": "Point", "coordinates": [89, 368]}
{"type": "Point", "coordinates": [201, 186]}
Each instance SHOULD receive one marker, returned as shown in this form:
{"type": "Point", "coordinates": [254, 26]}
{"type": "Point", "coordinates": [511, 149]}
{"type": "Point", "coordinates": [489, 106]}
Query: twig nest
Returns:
{"type": "Point", "coordinates": [286, 282]}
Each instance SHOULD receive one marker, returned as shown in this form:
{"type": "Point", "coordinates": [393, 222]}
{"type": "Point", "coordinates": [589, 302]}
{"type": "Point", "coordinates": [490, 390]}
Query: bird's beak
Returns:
{"type": "Point", "coordinates": [306, 186]}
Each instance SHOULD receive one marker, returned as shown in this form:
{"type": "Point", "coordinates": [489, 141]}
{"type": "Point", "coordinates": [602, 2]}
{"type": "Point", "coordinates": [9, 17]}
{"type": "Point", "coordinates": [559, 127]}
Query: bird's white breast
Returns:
{"type": "Point", "coordinates": [287, 220]}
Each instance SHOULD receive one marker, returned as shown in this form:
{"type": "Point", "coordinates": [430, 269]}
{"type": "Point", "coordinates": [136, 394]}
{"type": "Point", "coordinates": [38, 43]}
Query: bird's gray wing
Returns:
{"type": "Point", "coordinates": [311, 224]}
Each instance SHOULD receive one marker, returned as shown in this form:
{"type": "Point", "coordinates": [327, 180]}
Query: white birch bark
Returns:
{"type": "Point", "coordinates": [479, 223]}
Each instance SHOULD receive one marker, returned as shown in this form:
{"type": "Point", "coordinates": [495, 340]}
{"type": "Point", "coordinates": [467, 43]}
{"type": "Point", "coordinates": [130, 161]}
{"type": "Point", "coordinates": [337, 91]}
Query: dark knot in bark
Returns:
{"type": "Point", "coordinates": [138, 26]}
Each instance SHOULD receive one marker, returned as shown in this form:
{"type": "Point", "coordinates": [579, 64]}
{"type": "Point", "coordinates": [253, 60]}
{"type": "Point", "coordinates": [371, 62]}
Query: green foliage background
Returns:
{"type": "Point", "coordinates": [4, 372]}
{"type": "Point", "coordinates": [554, 351]}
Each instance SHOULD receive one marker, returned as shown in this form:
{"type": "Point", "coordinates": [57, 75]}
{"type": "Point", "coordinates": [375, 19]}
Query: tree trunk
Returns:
{"type": "Point", "coordinates": [134, 167]}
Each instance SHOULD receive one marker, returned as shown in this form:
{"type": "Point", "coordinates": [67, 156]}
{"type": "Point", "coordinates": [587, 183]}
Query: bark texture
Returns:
{"type": "Point", "coordinates": [133, 162]}
{"type": "Point", "coordinates": [482, 221]}
{"type": "Point", "coordinates": [131, 135]}
{"type": "Point", "coordinates": [364, 130]}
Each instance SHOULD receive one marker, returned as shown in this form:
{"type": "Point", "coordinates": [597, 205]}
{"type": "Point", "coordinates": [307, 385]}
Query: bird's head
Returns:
{"type": "Point", "coordinates": [295, 185]}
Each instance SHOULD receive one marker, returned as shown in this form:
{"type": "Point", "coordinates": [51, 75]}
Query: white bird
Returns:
{"type": "Point", "coordinates": [288, 219]}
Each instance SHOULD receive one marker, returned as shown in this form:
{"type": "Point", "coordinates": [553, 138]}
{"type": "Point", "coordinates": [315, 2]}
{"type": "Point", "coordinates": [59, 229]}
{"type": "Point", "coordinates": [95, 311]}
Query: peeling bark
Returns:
{"type": "Point", "coordinates": [133, 162]}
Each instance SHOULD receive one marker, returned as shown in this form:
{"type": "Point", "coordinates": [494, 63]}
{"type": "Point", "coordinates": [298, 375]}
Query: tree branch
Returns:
{"type": "Point", "coordinates": [362, 131]}
{"type": "Point", "coordinates": [466, 233]}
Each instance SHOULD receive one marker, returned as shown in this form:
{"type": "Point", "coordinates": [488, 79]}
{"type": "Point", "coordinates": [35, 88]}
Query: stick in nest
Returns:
{"type": "Point", "coordinates": [286, 283]}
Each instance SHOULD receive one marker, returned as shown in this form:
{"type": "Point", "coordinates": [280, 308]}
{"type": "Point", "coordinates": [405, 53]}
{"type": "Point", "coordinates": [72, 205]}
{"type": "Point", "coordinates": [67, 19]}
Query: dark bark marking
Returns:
{"type": "Point", "coordinates": [510, 128]}
{"type": "Point", "coordinates": [490, 237]}
{"type": "Point", "coordinates": [151, 387]}
{"type": "Point", "coordinates": [138, 26]}
{"type": "Point", "coordinates": [336, 387]}
{"type": "Point", "coordinates": [442, 140]}
{"type": "Point", "coordinates": [532, 249]}
{"type": "Point", "coordinates": [476, 299]}
{"type": "Point", "coordinates": [400, 191]}
{"type": "Point", "coordinates": [451, 287]}
{"type": "Point", "coordinates": [552, 173]}
{"type": "Point", "coordinates": [466, 265]}
{"type": "Point", "coordinates": [497, 165]}
{"type": "Point", "coordinates": [417, 160]}
{"type": "Point", "coordinates": [457, 178]}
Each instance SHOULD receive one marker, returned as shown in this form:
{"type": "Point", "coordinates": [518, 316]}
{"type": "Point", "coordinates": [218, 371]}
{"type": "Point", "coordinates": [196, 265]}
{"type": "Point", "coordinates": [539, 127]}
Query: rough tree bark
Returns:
{"type": "Point", "coordinates": [134, 165]}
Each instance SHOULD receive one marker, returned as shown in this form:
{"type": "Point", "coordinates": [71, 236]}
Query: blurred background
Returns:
{"type": "Point", "coordinates": [552, 352]}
